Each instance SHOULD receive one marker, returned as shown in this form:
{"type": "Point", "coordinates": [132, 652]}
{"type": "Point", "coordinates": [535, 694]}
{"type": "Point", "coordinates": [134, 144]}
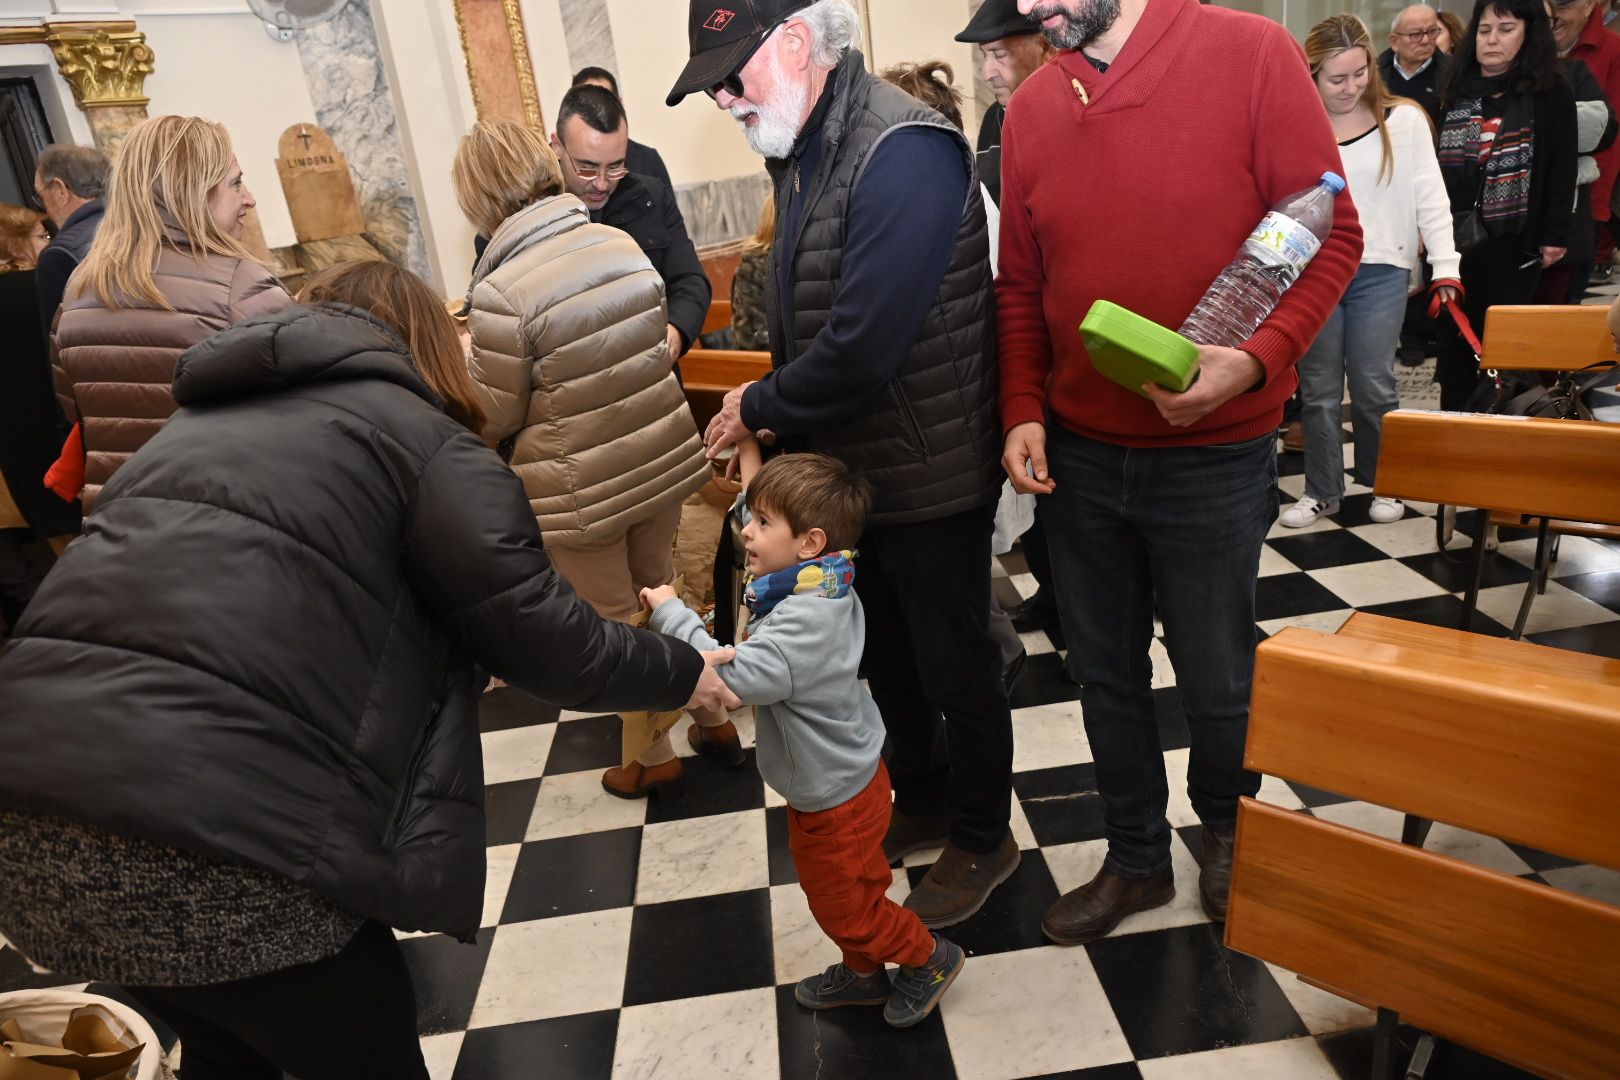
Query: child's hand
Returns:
{"type": "Point", "coordinates": [652, 598]}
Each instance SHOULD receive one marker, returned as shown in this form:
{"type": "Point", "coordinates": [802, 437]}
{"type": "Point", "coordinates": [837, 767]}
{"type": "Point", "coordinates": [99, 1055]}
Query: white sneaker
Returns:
{"type": "Point", "coordinates": [1306, 511]}
{"type": "Point", "coordinates": [1385, 510]}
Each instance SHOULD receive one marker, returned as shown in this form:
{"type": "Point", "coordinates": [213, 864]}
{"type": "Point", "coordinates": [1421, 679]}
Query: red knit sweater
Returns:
{"type": "Point", "coordinates": [1206, 119]}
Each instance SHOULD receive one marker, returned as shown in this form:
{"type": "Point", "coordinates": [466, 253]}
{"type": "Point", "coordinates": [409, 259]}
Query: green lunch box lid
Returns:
{"type": "Point", "coordinates": [1132, 350]}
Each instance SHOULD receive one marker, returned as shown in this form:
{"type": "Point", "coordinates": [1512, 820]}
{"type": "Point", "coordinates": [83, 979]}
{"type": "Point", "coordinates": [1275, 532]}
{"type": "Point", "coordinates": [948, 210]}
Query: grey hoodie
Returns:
{"type": "Point", "coordinates": [818, 732]}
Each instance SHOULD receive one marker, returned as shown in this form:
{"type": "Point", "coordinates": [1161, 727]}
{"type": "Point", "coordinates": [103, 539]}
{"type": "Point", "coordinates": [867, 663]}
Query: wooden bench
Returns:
{"type": "Point", "coordinates": [1539, 469]}
{"type": "Point", "coordinates": [1546, 337]}
{"type": "Point", "coordinates": [1506, 738]}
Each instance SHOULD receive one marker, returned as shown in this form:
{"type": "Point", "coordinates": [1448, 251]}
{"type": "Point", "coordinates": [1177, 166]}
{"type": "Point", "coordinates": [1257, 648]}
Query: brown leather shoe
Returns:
{"type": "Point", "coordinates": [1215, 880]}
{"type": "Point", "coordinates": [637, 781]}
{"type": "Point", "coordinates": [1095, 908]}
{"type": "Point", "coordinates": [960, 882]}
{"type": "Point", "coordinates": [1294, 437]}
{"type": "Point", "coordinates": [720, 742]}
{"type": "Point", "coordinates": [914, 832]}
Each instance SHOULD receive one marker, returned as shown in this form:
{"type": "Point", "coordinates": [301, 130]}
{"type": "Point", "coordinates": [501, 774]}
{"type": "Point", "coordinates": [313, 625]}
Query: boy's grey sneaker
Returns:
{"type": "Point", "coordinates": [840, 986]}
{"type": "Point", "coordinates": [917, 990]}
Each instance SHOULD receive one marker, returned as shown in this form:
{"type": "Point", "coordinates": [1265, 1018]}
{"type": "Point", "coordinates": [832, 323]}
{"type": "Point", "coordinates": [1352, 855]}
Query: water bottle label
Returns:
{"type": "Point", "coordinates": [1282, 241]}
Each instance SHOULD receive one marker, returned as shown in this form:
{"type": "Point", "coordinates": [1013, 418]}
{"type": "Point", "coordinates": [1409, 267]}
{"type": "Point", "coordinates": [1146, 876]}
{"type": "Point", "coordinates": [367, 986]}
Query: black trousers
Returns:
{"type": "Point", "coordinates": [1491, 276]}
{"type": "Point", "coordinates": [935, 672]}
{"type": "Point", "coordinates": [353, 1014]}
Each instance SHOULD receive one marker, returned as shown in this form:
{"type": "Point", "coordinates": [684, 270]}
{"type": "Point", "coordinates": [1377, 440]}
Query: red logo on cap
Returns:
{"type": "Point", "coordinates": [720, 19]}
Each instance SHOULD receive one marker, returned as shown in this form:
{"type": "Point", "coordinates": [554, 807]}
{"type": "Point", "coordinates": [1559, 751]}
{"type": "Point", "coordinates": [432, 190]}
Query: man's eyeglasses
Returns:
{"type": "Point", "coordinates": [731, 84]}
{"type": "Point", "coordinates": [612, 172]}
{"type": "Point", "coordinates": [1418, 37]}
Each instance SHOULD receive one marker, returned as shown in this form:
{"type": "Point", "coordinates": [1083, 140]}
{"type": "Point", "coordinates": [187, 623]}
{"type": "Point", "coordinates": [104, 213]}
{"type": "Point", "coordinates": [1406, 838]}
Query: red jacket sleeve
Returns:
{"type": "Point", "coordinates": [1025, 347]}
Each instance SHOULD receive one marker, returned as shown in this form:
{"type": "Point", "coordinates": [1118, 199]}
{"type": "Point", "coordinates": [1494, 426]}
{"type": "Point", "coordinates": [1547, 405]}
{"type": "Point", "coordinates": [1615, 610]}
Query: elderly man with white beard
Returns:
{"type": "Point", "coordinates": [883, 350]}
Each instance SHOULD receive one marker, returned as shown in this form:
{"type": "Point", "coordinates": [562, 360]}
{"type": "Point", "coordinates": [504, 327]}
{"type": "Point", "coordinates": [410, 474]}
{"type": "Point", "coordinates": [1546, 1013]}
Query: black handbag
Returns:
{"type": "Point", "coordinates": [1468, 227]}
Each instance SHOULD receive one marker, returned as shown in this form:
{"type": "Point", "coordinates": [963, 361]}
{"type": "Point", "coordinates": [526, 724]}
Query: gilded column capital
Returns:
{"type": "Point", "coordinates": [105, 63]}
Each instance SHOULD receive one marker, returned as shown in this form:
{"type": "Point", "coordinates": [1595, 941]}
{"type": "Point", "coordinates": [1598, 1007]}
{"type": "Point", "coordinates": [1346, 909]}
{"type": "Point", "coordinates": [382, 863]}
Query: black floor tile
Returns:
{"type": "Point", "coordinates": [1351, 1055]}
{"type": "Point", "coordinates": [507, 810]}
{"type": "Point", "coordinates": [1602, 588]}
{"type": "Point", "coordinates": [783, 872]}
{"type": "Point", "coordinates": [1541, 860]}
{"type": "Point", "coordinates": [1601, 639]}
{"type": "Point", "coordinates": [1454, 574]}
{"type": "Point", "coordinates": [1043, 682]}
{"type": "Point", "coordinates": [507, 708]}
{"type": "Point", "coordinates": [591, 743]}
{"type": "Point", "coordinates": [578, 1047]}
{"type": "Point", "coordinates": [1062, 804]}
{"type": "Point", "coordinates": [711, 788]}
{"type": "Point", "coordinates": [445, 975]}
{"type": "Point", "coordinates": [1285, 596]}
{"type": "Point", "coordinates": [855, 1044]}
{"type": "Point", "coordinates": [574, 874]}
{"type": "Point", "coordinates": [693, 948]}
{"type": "Point", "coordinates": [1125, 1070]}
{"type": "Point", "coordinates": [1014, 561]}
{"type": "Point", "coordinates": [1443, 611]}
{"type": "Point", "coordinates": [1290, 464]}
{"type": "Point", "coordinates": [1011, 918]}
{"type": "Point", "coordinates": [1181, 991]}
{"type": "Point", "coordinates": [1320, 550]}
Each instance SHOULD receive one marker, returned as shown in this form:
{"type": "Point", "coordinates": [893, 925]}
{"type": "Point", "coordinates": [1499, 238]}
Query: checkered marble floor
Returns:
{"type": "Point", "coordinates": [633, 939]}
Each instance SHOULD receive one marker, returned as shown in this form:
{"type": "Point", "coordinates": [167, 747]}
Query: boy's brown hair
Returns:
{"type": "Point", "coordinates": [813, 491]}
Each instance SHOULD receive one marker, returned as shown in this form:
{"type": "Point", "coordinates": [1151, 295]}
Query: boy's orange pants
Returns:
{"type": "Point", "coordinates": [839, 856]}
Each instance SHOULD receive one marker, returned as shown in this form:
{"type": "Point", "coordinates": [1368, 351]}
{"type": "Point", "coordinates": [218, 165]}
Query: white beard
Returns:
{"type": "Point", "coordinates": [777, 127]}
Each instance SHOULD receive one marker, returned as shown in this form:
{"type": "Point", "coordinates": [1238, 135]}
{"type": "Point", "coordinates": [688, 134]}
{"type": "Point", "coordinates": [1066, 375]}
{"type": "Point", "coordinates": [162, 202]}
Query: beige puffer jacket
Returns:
{"type": "Point", "coordinates": [568, 322]}
{"type": "Point", "coordinates": [114, 366]}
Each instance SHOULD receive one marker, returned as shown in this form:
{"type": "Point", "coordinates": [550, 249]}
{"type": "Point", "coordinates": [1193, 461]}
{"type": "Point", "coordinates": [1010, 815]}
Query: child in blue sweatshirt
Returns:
{"type": "Point", "coordinates": [819, 737]}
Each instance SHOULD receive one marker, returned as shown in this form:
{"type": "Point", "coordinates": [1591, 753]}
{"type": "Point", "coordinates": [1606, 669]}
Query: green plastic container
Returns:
{"type": "Point", "coordinates": [1132, 350]}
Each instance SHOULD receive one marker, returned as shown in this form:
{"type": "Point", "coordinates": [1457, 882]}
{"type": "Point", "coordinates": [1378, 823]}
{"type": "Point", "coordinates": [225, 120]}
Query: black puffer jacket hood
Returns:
{"type": "Point", "coordinates": [261, 648]}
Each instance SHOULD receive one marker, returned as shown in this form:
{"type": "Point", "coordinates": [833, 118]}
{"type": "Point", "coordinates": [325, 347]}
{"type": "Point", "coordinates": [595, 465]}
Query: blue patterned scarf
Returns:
{"type": "Point", "coordinates": [829, 575]}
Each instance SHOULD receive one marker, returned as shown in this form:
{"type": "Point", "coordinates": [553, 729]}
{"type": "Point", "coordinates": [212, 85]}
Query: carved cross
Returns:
{"type": "Point", "coordinates": [303, 133]}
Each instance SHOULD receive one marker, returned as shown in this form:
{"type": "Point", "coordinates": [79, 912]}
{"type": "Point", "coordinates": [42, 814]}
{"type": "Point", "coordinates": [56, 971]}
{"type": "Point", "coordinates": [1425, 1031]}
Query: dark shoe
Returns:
{"type": "Point", "coordinates": [1010, 673]}
{"type": "Point", "coordinates": [917, 990]}
{"type": "Point", "coordinates": [959, 883]}
{"type": "Point", "coordinates": [1095, 908]}
{"type": "Point", "coordinates": [1411, 355]}
{"type": "Point", "coordinates": [838, 986]}
{"type": "Point", "coordinates": [637, 781]}
{"type": "Point", "coordinates": [914, 832]}
{"type": "Point", "coordinates": [1294, 437]}
{"type": "Point", "coordinates": [720, 742]}
{"type": "Point", "coordinates": [1215, 880]}
{"type": "Point", "coordinates": [1602, 273]}
{"type": "Point", "coordinates": [1039, 612]}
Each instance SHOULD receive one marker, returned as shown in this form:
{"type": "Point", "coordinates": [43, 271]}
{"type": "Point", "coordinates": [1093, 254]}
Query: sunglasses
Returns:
{"type": "Point", "coordinates": [732, 84]}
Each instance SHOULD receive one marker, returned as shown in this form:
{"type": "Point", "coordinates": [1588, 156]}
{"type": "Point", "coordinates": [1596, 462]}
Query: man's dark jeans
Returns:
{"type": "Point", "coordinates": [935, 672]}
{"type": "Point", "coordinates": [1181, 528]}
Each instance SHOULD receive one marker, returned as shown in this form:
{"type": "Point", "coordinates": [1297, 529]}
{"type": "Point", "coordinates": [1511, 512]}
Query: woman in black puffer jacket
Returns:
{"type": "Point", "coordinates": [240, 717]}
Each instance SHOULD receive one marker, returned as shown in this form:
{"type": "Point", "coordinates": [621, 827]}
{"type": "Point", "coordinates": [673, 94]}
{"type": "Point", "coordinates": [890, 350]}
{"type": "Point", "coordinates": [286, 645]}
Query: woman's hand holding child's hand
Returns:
{"type": "Point", "coordinates": [651, 598]}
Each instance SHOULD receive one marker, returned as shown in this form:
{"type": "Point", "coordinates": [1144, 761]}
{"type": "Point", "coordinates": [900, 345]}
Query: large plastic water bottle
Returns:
{"type": "Point", "coordinates": [1271, 259]}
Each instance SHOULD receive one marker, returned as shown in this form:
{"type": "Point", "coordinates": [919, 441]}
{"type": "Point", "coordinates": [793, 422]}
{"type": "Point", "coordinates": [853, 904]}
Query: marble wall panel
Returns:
{"type": "Point", "coordinates": [589, 34]}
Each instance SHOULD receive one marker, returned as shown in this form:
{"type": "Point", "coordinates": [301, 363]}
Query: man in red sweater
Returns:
{"type": "Point", "coordinates": [1134, 166]}
{"type": "Point", "coordinates": [1581, 35]}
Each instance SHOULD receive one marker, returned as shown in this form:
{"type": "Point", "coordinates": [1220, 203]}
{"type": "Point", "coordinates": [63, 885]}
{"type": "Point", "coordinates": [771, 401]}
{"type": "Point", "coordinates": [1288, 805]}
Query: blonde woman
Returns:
{"type": "Point", "coordinates": [167, 270]}
{"type": "Point", "coordinates": [568, 325]}
{"type": "Point", "coordinates": [1387, 147]}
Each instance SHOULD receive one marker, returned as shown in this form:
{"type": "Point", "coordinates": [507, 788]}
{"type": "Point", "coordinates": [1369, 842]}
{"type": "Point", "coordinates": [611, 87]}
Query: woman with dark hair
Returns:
{"type": "Point", "coordinates": [241, 723]}
{"type": "Point", "coordinates": [1507, 152]}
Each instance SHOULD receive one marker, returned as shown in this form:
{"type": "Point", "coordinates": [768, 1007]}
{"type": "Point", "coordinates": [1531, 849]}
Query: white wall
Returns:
{"type": "Point", "coordinates": [918, 30]}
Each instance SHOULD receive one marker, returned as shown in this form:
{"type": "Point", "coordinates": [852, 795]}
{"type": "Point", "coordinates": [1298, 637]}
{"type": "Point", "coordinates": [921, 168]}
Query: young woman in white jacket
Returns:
{"type": "Point", "coordinates": [1387, 147]}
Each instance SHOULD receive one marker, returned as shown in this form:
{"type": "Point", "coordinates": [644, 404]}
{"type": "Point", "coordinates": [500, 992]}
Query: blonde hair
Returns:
{"type": "Point", "coordinates": [163, 175]}
{"type": "Point", "coordinates": [1338, 34]}
{"type": "Point", "coordinates": [500, 168]}
{"type": "Point", "coordinates": [402, 301]}
{"type": "Point", "coordinates": [765, 234]}
{"type": "Point", "coordinates": [17, 225]}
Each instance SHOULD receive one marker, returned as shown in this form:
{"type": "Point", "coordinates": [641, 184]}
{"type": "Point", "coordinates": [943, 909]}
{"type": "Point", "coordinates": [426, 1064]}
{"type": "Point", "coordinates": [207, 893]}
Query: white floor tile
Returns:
{"type": "Point", "coordinates": [1403, 538]}
{"type": "Point", "coordinates": [1073, 865]}
{"type": "Point", "coordinates": [1594, 882]}
{"type": "Point", "coordinates": [1296, 1059]}
{"type": "Point", "coordinates": [1368, 584]}
{"type": "Point", "coordinates": [1576, 555]}
{"type": "Point", "coordinates": [554, 967]}
{"type": "Point", "coordinates": [573, 803]}
{"type": "Point", "coordinates": [1321, 1012]}
{"type": "Point", "coordinates": [500, 862]}
{"type": "Point", "coordinates": [998, 1028]}
{"type": "Point", "coordinates": [703, 856]}
{"type": "Point", "coordinates": [699, 1038]}
{"type": "Point", "coordinates": [1327, 622]}
{"type": "Point", "coordinates": [1321, 524]}
{"type": "Point", "coordinates": [1037, 643]}
{"type": "Point", "coordinates": [1046, 736]}
{"type": "Point", "coordinates": [1558, 608]}
{"type": "Point", "coordinates": [1292, 487]}
{"type": "Point", "coordinates": [517, 753]}
{"type": "Point", "coordinates": [440, 1052]}
{"type": "Point", "coordinates": [1025, 584]}
{"type": "Point", "coordinates": [1443, 839]}
{"type": "Point", "coordinates": [1272, 563]}
{"type": "Point", "coordinates": [801, 949]}
{"type": "Point", "coordinates": [1164, 672]}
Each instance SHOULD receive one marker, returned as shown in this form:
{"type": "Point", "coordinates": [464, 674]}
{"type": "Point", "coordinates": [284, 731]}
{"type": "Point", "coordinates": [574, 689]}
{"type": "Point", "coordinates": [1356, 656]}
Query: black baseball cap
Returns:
{"type": "Point", "coordinates": [724, 35]}
{"type": "Point", "coordinates": [997, 19]}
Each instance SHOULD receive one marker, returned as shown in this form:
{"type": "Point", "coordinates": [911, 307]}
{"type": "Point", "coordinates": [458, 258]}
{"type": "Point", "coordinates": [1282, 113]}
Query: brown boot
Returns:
{"type": "Point", "coordinates": [1294, 437]}
{"type": "Point", "coordinates": [1095, 908]}
{"type": "Point", "coordinates": [914, 832]}
{"type": "Point", "coordinates": [637, 781]}
{"type": "Point", "coordinates": [1215, 879]}
{"type": "Point", "coordinates": [720, 742]}
{"type": "Point", "coordinates": [960, 882]}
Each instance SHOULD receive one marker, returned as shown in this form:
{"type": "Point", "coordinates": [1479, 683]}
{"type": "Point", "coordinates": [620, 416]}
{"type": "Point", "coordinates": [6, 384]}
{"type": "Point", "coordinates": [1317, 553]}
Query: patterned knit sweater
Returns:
{"type": "Point", "coordinates": [88, 904]}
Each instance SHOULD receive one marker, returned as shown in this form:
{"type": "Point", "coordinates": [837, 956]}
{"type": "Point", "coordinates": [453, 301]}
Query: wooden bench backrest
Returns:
{"type": "Point", "coordinates": [709, 370]}
{"type": "Point", "coordinates": [719, 316]}
{"type": "Point", "coordinates": [1550, 468]}
{"type": "Point", "coordinates": [1523, 752]}
{"type": "Point", "coordinates": [1523, 972]}
{"type": "Point", "coordinates": [1547, 337]}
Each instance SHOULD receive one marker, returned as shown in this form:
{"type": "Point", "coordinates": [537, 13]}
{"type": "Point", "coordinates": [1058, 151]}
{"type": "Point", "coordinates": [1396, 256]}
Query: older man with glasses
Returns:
{"type": "Point", "coordinates": [1413, 67]}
